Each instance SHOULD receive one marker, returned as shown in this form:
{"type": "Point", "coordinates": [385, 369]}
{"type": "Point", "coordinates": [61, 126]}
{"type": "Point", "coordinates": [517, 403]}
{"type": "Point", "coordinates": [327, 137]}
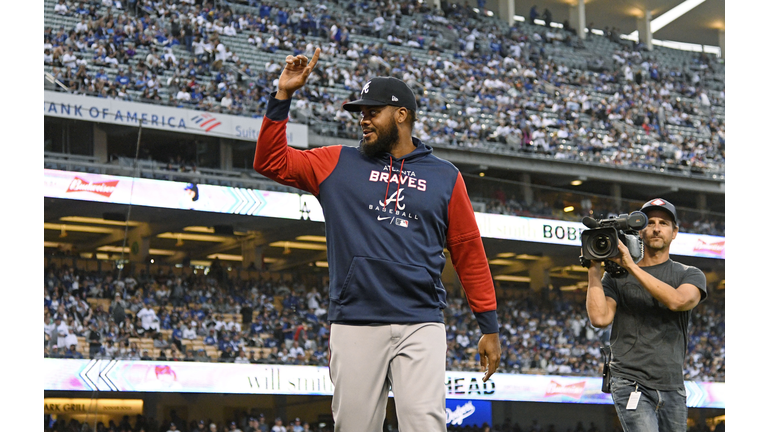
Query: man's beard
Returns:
{"type": "Point", "coordinates": [647, 243]}
{"type": "Point", "coordinates": [385, 141]}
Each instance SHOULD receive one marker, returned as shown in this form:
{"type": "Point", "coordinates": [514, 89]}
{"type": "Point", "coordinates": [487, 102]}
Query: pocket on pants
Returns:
{"type": "Point", "coordinates": [621, 388]}
{"type": "Point", "coordinates": [622, 382]}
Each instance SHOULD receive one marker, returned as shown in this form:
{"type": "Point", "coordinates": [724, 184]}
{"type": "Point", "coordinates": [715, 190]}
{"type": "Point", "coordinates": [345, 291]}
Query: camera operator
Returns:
{"type": "Point", "coordinates": [649, 307]}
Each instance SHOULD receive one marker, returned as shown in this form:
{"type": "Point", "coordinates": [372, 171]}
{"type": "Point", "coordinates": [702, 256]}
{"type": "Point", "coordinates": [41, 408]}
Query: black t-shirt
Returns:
{"type": "Point", "coordinates": [649, 341]}
{"type": "Point", "coordinates": [94, 339]}
{"type": "Point", "coordinates": [247, 313]}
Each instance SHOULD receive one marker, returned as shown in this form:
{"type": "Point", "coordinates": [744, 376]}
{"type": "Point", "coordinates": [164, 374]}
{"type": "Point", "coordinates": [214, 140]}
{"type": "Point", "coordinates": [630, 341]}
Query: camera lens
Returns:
{"type": "Point", "coordinates": [601, 245]}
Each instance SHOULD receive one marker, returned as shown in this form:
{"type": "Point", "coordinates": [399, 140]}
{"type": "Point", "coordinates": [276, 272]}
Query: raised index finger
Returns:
{"type": "Point", "coordinates": [315, 58]}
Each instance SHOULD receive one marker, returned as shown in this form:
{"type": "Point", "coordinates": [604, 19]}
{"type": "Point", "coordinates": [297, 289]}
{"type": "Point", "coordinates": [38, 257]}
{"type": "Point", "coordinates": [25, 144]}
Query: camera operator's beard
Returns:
{"type": "Point", "coordinates": [384, 143]}
{"type": "Point", "coordinates": [652, 243]}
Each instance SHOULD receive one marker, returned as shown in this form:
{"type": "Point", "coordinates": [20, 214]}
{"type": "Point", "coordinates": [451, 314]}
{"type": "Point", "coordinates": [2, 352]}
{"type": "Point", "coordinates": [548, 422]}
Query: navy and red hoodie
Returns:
{"type": "Point", "coordinates": [387, 223]}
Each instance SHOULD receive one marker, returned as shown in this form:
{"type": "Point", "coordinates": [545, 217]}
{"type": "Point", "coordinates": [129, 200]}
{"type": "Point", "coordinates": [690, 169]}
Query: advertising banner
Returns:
{"type": "Point", "coordinates": [193, 377]}
{"type": "Point", "coordinates": [569, 233]}
{"type": "Point", "coordinates": [253, 202]}
{"type": "Point", "coordinates": [114, 111]}
{"type": "Point", "coordinates": [88, 406]}
{"type": "Point", "coordinates": [464, 412]}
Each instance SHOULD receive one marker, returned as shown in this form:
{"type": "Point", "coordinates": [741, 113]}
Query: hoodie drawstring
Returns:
{"type": "Point", "coordinates": [386, 193]}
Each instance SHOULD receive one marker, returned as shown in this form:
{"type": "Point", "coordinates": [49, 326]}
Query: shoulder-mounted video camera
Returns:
{"type": "Point", "coordinates": [601, 240]}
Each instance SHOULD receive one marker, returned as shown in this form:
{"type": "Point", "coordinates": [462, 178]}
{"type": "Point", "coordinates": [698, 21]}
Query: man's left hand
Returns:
{"type": "Point", "coordinates": [489, 349]}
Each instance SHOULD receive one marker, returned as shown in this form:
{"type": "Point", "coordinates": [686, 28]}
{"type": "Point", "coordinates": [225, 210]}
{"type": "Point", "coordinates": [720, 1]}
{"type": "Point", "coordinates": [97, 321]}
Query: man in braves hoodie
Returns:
{"type": "Point", "coordinates": [390, 207]}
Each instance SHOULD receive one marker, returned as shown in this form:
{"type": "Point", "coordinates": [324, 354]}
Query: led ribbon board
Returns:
{"type": "Point", "coordinates": [177, 195]}
{"type": "Point", "coordinates": [194, 377]}
{"type": "Point", "coordinates": [252, 202]}
{"type": "Point", "coordinates": [569, 233]}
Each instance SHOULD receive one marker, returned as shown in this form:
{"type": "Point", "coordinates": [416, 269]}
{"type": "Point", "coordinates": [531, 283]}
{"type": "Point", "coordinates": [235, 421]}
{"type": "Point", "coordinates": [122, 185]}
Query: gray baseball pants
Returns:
{"type": "Point", "coordinates": [367, 360]}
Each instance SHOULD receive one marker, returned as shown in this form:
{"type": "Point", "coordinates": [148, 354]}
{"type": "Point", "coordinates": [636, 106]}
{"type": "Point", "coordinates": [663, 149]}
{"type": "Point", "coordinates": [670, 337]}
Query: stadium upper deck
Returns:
{"type": "Point", "coordinates": [522, 90]}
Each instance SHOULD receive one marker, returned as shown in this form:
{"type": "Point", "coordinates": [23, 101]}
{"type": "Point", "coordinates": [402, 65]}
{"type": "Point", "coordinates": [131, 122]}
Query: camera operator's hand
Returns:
{"type": "Point", "coordinates": [624, 259]}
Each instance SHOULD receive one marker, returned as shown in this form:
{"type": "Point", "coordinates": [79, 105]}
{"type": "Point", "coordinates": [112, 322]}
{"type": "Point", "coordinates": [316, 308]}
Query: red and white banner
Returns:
{"type": "Point", "coordinates": [104, 188]}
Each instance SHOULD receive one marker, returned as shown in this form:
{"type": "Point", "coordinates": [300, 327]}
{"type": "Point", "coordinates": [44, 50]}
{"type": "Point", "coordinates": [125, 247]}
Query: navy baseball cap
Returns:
{"type": "Point", "coordinates": [381, 91]}
{"type": "Point", "coordinates": [662, 204]}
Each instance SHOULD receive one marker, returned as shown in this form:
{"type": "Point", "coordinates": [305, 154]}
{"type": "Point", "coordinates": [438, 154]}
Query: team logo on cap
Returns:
{"type": "Point", "coordinates": [365, 87]}
{"type": "Point", "coordinates": [658, 202]}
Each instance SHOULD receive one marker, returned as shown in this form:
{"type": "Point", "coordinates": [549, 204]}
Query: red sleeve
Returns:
{"type": "Point", "coordinates": [467, 252]}
{"type": "Point", "coordinates": [303, 169]}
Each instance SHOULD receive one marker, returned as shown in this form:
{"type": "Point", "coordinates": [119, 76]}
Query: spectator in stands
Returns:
{"type": "Point", "coordinates": [94, 340]}
{"type": "Point", "coordinates": [211, 338]}
{"type": "Point", "coordinates": [133, 352]}
{"type": "Point", "coordinates": [533, 14]}
{"type": "Point", "coordinates": [253, 425]}
{"type": "Point", "coordinates": [241, 357]}
{"type": "Point", "coordinates": [135, 305]}
{"type": "Point", "coordinates": [227, 354]}
{"type": "Point", "coordinates": [127, 327]}
{"type": "Point", "coordinates": [61, 8]}
{"type": "Point", "coordinates": [189, 356]}
{"type": "Point", "coordinates": [188, 331]}
{"type": "Point", "coordinates": [161, 356]}
{"type": "Point", "coordinates": [72, 352]}
{"type": "Point", "coordinates": [149, 321]}
{"type": "Point", "coordinates": [297, 425]}
{"type": "Point", "coordinates": [110, 350]}
{"type": "Point", "coordinates": [278, 426]}
{"type": "Point", "coordinates": [54, 352]}
{"type": "Point", "coordinates": [175, 354]}
{"type": "Point", "coordinates": [199, 426]}
{"type": "Point", "coordinates": [202, 356]}
{"type": "Point", "coordinates": [62, 332]}
{"type": "Point", "coordinates": [547, 17]}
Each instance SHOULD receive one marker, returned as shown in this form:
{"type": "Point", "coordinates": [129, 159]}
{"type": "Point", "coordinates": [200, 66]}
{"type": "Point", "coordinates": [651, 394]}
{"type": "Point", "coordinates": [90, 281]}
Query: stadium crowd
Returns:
{"type": "Point", "coordinates": [499, 89]}
{"type": "Point", "coordinates": [280, 322]}
{"type": "Point", "coordinates": [260, 423]}
{"type": "Point", "coordinates": [252, 422]}
{"type": "Point", "coordinates": [242, 422]}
